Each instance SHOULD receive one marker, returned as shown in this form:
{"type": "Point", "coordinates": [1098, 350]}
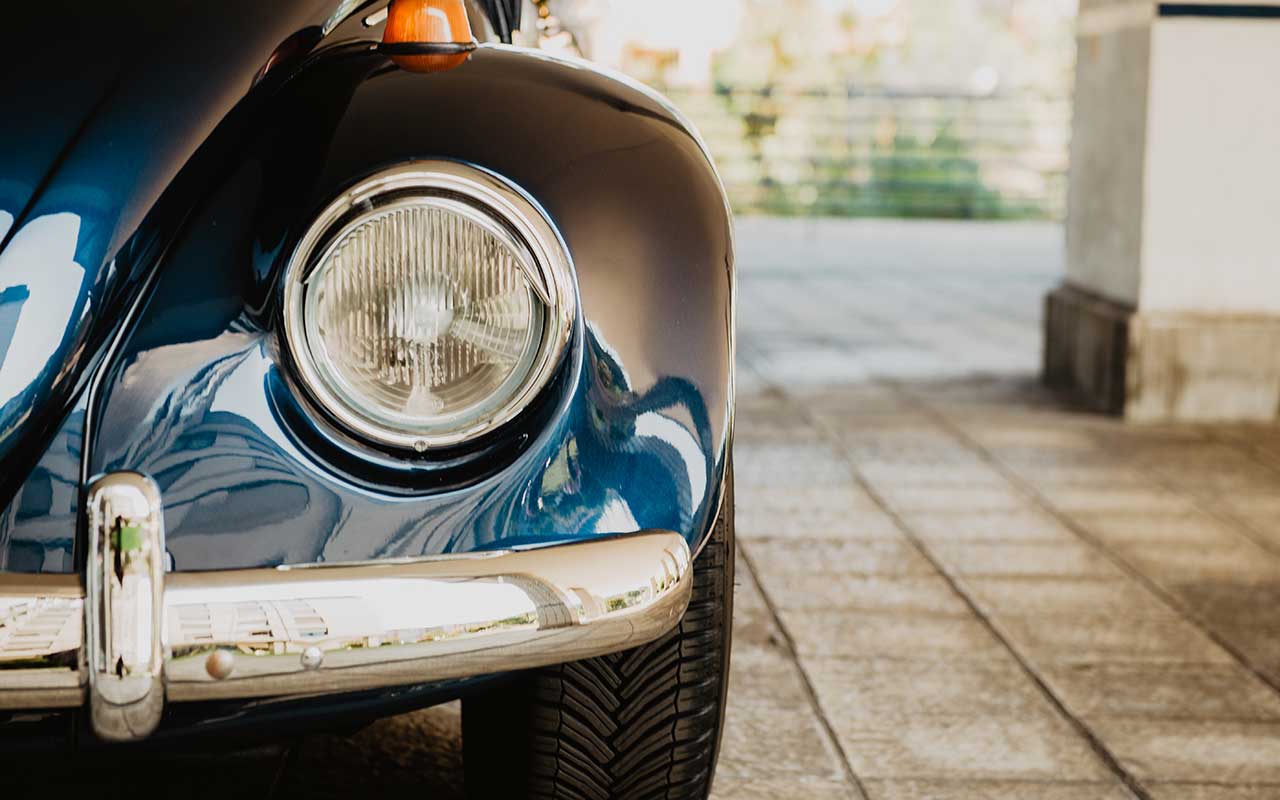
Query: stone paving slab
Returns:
{"type": "Point", "coordinates": [852, 634]}
{"type": "Point", "coordinates": [988, 526]}
{"type": "Point", "coordinates": [1053, 559]}
{"type": "Point", "coordinates": [1086, 472]}
{"type": "Point", "coordinates": [1096, 639]}
{"type": "Point", "coordinates": [1116, 598]}
{"type": "Point", "coordinates": [1257, 643]}
{"type": "Point", "coordinates": [897, 557]}
{"type": "Point", "coordinates": [1195, 750]}
{"type": "Point", "coordinates": [961, 499]}
{"type": "Point", "coordinates": [907, 594]}
{"type": "Point", "coordinates": [994, 790]}
{"type": "Point", "coordinates": [1026, 746]}
{"type": "Point", "coordinates": [858, 689]}
{"type": "Point", "coordinates": [827, 512]}
{"type": "Point", "coordinates": [1077, 499]}
{"type": "Point", "coordinates": [1146, 528]}
{"type": "Point", "coordinates": [1201, 791]}
{"type": "Point", "coordinates": [789, 465]}
{"type": "Point", "coordinates": [768, 738]}
{"type": "Point", "coordinates": [837, 525]}
{"type": "Point", "coordinates": [908, 475]}
{"type": "Point", "coordinates": [1261, 502]}
{"type": "Point", "coordinates": [833, 502]}
{"type": "Point", "coordinates": [1241, 473]}
{"type": "Point", "coordinates": [733, 787]}
{"type": "Point", "coordinates": [1180, 691]}
{"type": "Point", "coordinates": [1239, 562]}
{"type": "Point", "coordinates": [1264, 525]}
{"type": "Point", "coordinates": [1228, 604]}
{"type": "Point", "coordinates": [767, 674]}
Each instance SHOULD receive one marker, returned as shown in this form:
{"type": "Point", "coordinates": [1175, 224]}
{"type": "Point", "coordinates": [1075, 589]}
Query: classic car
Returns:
{"type": "Point", "coordinates": [352, 361]}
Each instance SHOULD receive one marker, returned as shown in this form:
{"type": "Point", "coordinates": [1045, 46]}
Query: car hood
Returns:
{"type": "Point", "coordinates": [105, 106]}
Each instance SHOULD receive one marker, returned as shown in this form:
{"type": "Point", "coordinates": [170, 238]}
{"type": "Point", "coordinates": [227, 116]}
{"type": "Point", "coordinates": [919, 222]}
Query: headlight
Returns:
{"type": "Point", "coordinates": [428, 305]}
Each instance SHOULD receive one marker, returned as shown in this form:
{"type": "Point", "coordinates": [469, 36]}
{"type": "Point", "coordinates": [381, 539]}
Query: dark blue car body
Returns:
{"type": "Point", "coordinates": [158, 163]}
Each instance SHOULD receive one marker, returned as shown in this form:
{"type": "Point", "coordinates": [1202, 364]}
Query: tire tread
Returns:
{"type": "Point", "coordinates": [643, 724]}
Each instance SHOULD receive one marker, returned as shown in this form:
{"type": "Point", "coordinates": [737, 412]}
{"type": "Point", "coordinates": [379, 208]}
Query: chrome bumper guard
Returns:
{"type": "Point", "coordinates": [131, 637]}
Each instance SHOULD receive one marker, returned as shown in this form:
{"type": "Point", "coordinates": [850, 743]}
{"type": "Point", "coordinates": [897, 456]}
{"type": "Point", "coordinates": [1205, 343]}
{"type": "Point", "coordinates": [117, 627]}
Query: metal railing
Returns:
{"type": "Point", "coordinates": [862, 153]}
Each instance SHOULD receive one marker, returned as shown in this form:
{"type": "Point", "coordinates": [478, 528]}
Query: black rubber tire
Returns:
{"type": "Point", "coordinates": [640, 724]}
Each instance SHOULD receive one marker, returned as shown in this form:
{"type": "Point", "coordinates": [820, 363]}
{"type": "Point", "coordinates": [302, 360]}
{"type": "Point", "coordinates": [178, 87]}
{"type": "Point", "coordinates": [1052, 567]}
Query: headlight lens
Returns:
{"type": "Point", "coordinates": [428, 305]}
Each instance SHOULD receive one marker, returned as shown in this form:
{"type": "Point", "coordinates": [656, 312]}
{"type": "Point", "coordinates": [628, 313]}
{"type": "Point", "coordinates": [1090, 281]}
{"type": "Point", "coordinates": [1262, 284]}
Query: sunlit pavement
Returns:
{"type": "Point", "coordinates": [955, 586]}
{"type": "Point", "coordinates": [951, 584]}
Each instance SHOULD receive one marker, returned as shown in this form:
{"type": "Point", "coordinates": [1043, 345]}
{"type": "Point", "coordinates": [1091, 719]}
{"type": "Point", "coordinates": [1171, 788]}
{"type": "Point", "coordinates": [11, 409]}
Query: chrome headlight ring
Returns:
{"type": "Point", "coordinates": [438, 235]}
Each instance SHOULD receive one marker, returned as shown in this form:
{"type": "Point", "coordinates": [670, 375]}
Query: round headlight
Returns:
{"type": "Point", "coordinates": [428, 305]}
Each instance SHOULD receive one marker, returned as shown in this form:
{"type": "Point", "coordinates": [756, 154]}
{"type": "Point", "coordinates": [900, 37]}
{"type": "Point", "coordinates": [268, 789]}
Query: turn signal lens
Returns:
{"type": "Point", "coordinates": [427, 35]}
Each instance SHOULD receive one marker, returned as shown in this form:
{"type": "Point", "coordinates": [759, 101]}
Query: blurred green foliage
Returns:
{"type": "Point", "coordinates": [916, 108]}
{"type": "Point", "coordinates": [855, 154]}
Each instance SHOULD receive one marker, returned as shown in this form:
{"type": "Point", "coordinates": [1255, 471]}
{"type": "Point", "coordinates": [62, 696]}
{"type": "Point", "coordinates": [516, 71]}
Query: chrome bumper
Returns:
{"type": "Point", "coordinates": [129, 637]}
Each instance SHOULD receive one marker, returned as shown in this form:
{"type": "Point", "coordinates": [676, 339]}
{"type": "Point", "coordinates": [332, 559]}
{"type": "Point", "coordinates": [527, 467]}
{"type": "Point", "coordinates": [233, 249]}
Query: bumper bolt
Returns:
{"type": "Point", "coordinates": [220, 664]}
{"type": "Point", "coordinates": [311, 657]}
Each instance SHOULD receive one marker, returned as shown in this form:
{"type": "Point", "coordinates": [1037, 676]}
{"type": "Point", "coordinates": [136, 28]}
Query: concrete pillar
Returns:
{"type": "Point", "coordinates": [1171, 304]}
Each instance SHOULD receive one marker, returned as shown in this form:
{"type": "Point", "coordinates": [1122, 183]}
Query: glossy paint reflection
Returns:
{"type": "Point", "coordinates": [39, 271]}
{"type": "Point", "coordinates": [45, 294]}
{"type": "Point", "coordinates": [38, 529]}
{"type": "Point", "coordinates": [104, 108]}
{"type": "Point", "coordinates": [240, 492]}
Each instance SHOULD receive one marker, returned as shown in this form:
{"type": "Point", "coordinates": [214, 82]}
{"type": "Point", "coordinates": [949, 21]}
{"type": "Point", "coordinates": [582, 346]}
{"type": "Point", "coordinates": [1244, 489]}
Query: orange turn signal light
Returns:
{"type": "Point", "coordinates": [427, 35]}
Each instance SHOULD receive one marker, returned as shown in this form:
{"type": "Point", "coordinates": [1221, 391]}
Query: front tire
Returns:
{"type": "Point", "coordinates": [643, 723]}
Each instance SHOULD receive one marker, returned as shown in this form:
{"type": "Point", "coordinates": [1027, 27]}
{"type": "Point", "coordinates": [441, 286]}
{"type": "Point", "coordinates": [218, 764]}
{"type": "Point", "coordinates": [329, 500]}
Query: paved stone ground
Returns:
{"type": "Point", "coordinates": [955, 585]}
{"type": "Point", "coordinates": [952, 584]}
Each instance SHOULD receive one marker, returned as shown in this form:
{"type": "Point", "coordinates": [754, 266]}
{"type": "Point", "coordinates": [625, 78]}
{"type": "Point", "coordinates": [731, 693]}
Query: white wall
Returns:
{"type": "Point", "coordinates": [1108, 146]}
{"type": "Point", "coordinates": [1211, 228]}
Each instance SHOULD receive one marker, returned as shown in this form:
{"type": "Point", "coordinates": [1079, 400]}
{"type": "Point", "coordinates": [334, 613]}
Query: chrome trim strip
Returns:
{"type": "Point", "coordinates": [327, 628]}
{"type": "Point", "coordinates": [260, 633]}
{"type": "Point", "coordinates": [124, 606]}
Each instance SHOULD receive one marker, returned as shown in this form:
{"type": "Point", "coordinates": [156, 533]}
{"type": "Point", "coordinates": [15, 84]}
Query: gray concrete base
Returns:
{"type": "Point", "coordinates": [1162, 367]}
